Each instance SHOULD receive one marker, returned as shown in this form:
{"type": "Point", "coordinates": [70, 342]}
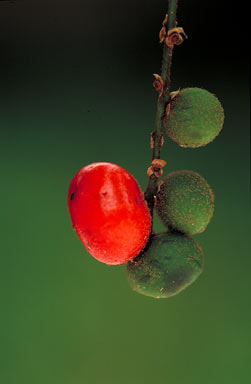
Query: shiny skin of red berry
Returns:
{"type": "Point", "coordinates": [109, 213]}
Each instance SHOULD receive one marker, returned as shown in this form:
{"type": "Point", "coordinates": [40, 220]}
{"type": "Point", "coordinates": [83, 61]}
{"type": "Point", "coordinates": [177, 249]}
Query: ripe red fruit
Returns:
{"type": "Point", "coordinates": [108, 212]}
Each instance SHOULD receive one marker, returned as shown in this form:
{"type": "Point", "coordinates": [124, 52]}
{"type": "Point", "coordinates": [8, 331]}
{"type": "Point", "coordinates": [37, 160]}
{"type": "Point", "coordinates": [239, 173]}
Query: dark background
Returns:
{"type": "Point", "coordinates": [76, 88]}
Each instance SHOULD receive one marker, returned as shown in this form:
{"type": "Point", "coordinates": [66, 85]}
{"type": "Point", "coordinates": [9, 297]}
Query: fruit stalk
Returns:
{"type": "Point", "coordinates": [163, 99]}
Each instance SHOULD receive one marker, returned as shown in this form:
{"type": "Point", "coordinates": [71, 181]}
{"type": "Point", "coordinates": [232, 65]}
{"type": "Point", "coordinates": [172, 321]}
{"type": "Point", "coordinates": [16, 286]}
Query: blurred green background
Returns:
{"type": "Point", "coordinates": [76, 88]}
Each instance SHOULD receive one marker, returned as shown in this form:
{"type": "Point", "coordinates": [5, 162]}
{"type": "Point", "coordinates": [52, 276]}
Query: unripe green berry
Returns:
{"type": "Point", "coordinates": [185, 202]}
{"type": "Point", "coordinates": [195, 118]}
{"type": "Point", "coordinates": [169, 264]}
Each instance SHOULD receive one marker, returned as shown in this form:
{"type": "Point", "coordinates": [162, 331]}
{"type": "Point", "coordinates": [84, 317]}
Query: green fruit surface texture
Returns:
{"type": "Point", "coordinates": [170, 263]}
{"type": "Point", "coordinates": [185, 202]}
{"type": "Point", "coordinates": [196, 117]}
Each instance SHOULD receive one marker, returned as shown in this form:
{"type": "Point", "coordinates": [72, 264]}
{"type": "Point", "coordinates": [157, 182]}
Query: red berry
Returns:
{"type": "Point", "coordinates": [109, 213]}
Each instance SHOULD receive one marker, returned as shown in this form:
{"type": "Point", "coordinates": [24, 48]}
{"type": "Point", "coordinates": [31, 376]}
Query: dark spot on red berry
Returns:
{"type": "Point", "coordinates": [72, 196]}
{"type": "Point", "coordinates": [87, 230]}
{"type": "Point", "coordinates": [104, 193]}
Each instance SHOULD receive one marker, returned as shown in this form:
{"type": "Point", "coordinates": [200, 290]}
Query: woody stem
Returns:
{"type": "Point", "coordinates": [161, 104]}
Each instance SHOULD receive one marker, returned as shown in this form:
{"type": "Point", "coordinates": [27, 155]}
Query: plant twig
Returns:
{"type": "Point", "coordinates": [163, 99]}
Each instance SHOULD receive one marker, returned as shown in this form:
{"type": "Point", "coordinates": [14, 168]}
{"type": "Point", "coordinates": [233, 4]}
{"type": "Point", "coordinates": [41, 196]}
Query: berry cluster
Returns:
{"type": "Point", "coordinates": [113, 217]}
{"type": "Point", "coordinates": [184, 202]}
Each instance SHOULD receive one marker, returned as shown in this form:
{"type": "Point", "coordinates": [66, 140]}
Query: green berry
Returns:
{"type": "Point", "coordinates": [170, 263]}
{"type": "Point", "coordinates": [195, 118]}
{"type": "Point", "coordinates": [185, 202]}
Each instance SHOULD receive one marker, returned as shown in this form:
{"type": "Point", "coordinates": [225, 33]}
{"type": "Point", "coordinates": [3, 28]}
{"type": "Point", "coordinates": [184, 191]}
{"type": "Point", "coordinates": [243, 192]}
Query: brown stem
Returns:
{"type": "Point", "coordinates": [161, 105]}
